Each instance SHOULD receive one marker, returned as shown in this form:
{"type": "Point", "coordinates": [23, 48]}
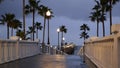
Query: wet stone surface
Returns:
{"type": "Point", "coordinates": [47, 61]}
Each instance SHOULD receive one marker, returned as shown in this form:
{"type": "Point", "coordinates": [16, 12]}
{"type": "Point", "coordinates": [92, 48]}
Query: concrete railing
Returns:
{"type": "Point", "coordinates": [104, 52]}
{"type": "Point", "coordinates": [11, 50]}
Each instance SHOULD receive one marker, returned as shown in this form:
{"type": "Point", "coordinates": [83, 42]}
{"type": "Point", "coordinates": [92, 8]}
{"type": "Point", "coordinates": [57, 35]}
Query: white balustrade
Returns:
{"type": "Point", "coordinates": [13, 49]}
{"type": "Point", "coordinates": [104, 52]}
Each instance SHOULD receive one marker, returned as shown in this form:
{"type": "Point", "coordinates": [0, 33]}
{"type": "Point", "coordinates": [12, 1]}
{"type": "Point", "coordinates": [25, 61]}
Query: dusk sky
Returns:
{"type": "Point", "coordinates": [71, 13]}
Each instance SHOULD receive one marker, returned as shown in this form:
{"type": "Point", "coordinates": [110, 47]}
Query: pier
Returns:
{"type": "Point", "coordinates": [22, 54]}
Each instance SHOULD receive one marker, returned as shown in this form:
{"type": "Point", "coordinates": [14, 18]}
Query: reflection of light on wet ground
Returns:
{"type": "Point", "coordinates": [56, 61]}
{"type": "Point", "coordinates": [47, 61]}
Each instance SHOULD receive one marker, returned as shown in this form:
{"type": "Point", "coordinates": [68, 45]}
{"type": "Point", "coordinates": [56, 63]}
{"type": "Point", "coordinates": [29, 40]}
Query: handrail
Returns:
{"type": "Point", "coordinates": [11, 50]}
{"type": "Point", "coordinates": [104, 52]}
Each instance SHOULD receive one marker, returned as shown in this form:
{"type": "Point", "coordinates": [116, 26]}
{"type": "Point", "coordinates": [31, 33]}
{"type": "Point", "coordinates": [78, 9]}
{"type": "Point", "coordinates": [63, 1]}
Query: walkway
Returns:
{"type": "Point", "coordinates": [47, 61]}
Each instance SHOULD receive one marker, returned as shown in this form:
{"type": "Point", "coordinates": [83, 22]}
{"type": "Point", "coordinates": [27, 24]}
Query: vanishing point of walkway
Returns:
{"type": "Point", "coordinates": [47, 61]}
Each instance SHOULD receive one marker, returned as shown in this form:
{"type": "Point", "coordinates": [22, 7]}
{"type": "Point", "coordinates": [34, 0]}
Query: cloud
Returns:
{"type": "Point", "coordinates": [71, 13]}
{"type": "Point", "coordinates": [11, 6]}
{"type": "Point", "coordinates": [75, 9]}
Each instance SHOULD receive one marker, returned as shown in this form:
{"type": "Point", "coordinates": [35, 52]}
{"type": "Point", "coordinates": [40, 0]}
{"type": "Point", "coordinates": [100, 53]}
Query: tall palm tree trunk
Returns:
{"type": "Point", "coordinates": [11, 31]}
{"type": "Point", "coordinates": [43, 42]}
{"type": "Point", "coordinates": [103, 24]}
{"type": "Point", "coordinates": [110, 13]}
{"type": "Point", "coordinates": [37, 34]}
{"type": "Point", "coordinates": [61, 38]}
{"type": "Point", "coordinates": [7, 31]}
{"type": "Point", "coordinates": [24, 18]}
{"type": "Point", "coordinates": [97, 24]}
{"type": "Point", "coordinates": [97, 29]}
{"type": "Point", "coordinates": [33, 22]}
{"type": "Point", "coordinates": [31, 36]}
{"type": "Point", "coordinates": [44, 30]}
{"type": "Point", "coordinates": [103, 28]}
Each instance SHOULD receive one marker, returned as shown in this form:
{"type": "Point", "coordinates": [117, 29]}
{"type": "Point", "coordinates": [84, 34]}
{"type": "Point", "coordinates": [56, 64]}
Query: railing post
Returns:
{"type": "Point", "coordinates": [17, 50]}
{"type": "Point", "coordinates": [115, 53]}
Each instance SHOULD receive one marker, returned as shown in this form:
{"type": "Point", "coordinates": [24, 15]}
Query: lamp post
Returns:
{"type": "Point", "coordinates": [58, 30]}
{"type": "Point", "coordinates": [48, 14]}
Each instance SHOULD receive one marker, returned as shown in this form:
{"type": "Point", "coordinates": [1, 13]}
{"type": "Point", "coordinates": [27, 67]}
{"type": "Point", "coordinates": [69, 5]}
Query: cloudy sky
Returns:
{"type": "Point", "coordinates": [71, 13]}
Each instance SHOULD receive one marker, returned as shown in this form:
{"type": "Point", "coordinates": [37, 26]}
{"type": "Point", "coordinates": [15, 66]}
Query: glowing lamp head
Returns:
{"type": "Point", "coordinates": [58, 30]}
{"type": "Point", "coordinates": [48, 13]}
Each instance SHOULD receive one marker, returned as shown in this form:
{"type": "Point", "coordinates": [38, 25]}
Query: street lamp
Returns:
{"type": "Point", "coordinates": [58, 30]}
{"type": "Point", "coordinates": [63, 39]}
{"type": "Point", "coordinates": [48, 14]}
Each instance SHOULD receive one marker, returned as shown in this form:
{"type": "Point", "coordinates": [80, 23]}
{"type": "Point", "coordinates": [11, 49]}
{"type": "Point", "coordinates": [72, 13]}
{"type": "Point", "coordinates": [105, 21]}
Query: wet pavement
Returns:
{"type": "Point", "coordinates": [47, 61]}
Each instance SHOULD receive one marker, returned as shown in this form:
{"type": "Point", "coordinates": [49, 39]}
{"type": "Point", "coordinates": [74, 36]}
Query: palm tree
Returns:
{"type": "Point", "coordinates": [84, 28]}
{"type": "Point", "coordinates": [110, 4]}
{"type": "Point", "coordinates": [63, 29]}
{"type": "Point", "coordinates": [7, 19]}
{"type": "Point", "coordinates": [31, 8]}
{"type": "Point", "coordinates": [24, 25]}
{"type": "Point", "coordinates": [38, 26]}
{"type": "Point", "coordinates": [84, 35]}
{"type": "Point", "coordinates": [20, 33]}
{"type": "Point", "coordinates": [103, 17]}
{"type": "Point", "coordinates": [95, 15]}
{"type": "Point", "coordinates": [15, 24]}
{"type": "Point", "coordinates": [42, 11]}
{"type": "Point", "coordinates": [99, 14]}
{"type": "Point", "coordinates": [30, 31]}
